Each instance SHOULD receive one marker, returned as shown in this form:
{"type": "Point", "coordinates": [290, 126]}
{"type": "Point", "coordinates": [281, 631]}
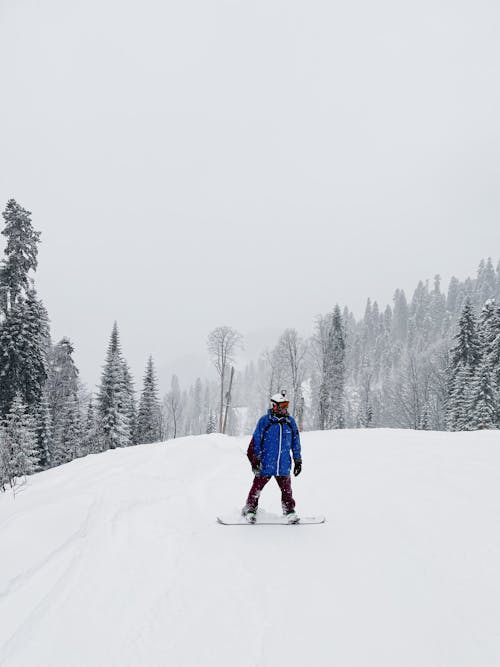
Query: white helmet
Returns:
{"type": "Point", "coordinates": [280, 397]}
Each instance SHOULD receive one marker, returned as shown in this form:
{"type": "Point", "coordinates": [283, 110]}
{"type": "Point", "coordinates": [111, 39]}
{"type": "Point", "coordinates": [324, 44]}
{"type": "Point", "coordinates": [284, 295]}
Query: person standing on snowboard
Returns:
{"type": "Point", "coordinates": [275, 435]}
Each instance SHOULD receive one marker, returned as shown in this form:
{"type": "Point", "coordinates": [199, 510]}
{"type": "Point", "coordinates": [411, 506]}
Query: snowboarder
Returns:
{"type": "Point", "coordinates": [269, 454]}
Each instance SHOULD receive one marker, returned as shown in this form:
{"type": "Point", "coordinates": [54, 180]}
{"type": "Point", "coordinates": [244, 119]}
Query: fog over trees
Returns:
{"type": "Point", "coordinates": [429, 360]}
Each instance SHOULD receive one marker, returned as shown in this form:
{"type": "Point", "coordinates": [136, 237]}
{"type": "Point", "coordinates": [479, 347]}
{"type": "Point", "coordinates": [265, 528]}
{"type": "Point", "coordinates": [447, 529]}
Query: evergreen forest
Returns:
{"type": "Point", "coordinates": [427, 361]}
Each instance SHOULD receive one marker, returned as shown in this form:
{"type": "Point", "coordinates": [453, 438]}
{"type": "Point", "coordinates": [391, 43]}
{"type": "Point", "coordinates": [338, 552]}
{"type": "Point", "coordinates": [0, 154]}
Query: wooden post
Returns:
{"type": "Point", "coordinates": [228, 399]}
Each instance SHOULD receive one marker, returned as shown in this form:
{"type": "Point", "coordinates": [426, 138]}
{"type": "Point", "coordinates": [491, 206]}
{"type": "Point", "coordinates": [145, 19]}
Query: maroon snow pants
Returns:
{"type": "Point", "coordinates": [285, 484]}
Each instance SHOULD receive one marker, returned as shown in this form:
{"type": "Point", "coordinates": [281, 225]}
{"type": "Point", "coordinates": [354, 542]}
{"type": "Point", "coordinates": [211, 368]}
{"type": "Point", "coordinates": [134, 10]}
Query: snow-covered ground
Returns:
{"type": "Point", "coordinates": [116, 560]}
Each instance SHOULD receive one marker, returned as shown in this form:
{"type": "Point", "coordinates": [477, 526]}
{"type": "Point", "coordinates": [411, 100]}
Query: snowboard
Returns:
{"type": "Point", "coordinates": [267, 519]}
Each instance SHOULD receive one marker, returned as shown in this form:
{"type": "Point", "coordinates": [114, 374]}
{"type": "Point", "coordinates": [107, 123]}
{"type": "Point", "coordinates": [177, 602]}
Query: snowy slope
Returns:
{"type": "Point", "coordinates": [116, 559]}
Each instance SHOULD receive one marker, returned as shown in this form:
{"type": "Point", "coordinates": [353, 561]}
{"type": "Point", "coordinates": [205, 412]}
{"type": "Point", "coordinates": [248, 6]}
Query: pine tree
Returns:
{"type": "Point", "coordinates": [400, 317]}
{"type": "Point", "coordinates": [487, 326]}
{"type": "Point", "coordinates": [24, 331]}
{"type": "Point", "coordinates": [91, 439]}
{"type": "Point", "coordinates": [21, 254]}
{"type": "Point", "coordinates": [424, 419]}
{"type": "Point", "coordinates": [68, 441]}
{"type": "Point", "coordinates": [497, 283]}
{"type": "Point", "coordinates": [482, 407]}
{"type": "Point", "coordinates": [19, 444]}
{"type": "Point", "coordinates": [23, 344]}
{"type": "Point", "coordinates": [212, 423]}
{"type": "Point", "coordinates": [114, 398]}
{"type": "Point", "coordinates": [331, 339]}
{"type": "Point", "coordinates": [12, 345]}
{"type": "Point", "coordinates": [465, 357]}
{"type": "Point", "coordinates": [466, 351]}
{"type": "Point", "coordinates": [206, 412]}
{"type": "Point", "coordinates": [453, 297]}
{"type": "Point", "coordinates": [62, 383]}
{"type": "Point", "coordinates": [4, 461]}
{"type": "Point", "coordinates": [129, 405]}
{"type": "Point", "coordinates": [148, 422]}
{"type": "Point", "coordinates": [419, 306]}
{"type": "Point", "coordinates": [437, 308]}
{"type": "Point", "coordinates": [485, 287]}
{"type": "Point", "coordinates": [490, 343]}
{"type": "Point", "coordinates": [43, 420]}
{"type": "Point", "coordinates": [35, 366]}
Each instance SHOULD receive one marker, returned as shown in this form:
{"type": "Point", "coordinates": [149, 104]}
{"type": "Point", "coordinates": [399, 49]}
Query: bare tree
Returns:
{"type": "Point", "coordinates": [408, 393]}
{"type": "Point", "coordinates": [275, 370]}
{"type": "Point", "coordinates": [222, 343]}
{"type": "Point", "coordinates": [294, 352]}
{"type": "Point", "coordinates": [173, 407]}
{"type": "Point", "coordinates": [287, 366]}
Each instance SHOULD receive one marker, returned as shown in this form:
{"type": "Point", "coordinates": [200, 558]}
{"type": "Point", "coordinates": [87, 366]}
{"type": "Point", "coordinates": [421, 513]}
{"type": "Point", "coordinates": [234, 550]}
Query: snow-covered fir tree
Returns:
{"type": "Point", "coordinates": [44, 432]}
{"type": "Point", "coordinates": [113, 398]}
{"type": "Point", "coordinates": [482, 404]}
{"type": "Point", "coordinates": [23, 344]}
{"type": "Point", "coordinates": [24, 329]}
{"type": "Point", "coordinates": [212, 423]}
{"type": "Point", "coordinates": [148, 421]}
{"type": "Point", "coordinates": [68, 440]}
{"type": "Point", "coordinates": [464, 362]}
{"type": "Point", "coordinates": [331, 345]}
{"type": "Point", "coordinates": [209, 399]}
{"type": "Point", "coordinates": [437, 309]}
{"type": "Point", "coordinates": [489, 332]}
{"type": "Point", "coordinates": [19, 455]}
{"type": "Point", "coordinates": [4, 461]}
{"type": "Point", "coordinates": [130, 407]}
{"type": "Point", "coordinates": [485, 286]}
{"type": "Point", "coordinates": [21, 254]}
{"type": "Point", "coordinates": [399, 329]}
{"type": "Point", "coordinates": [91, 439]}
{"type": "Point", "coordinates": [37, 337]}
{"type": "Point", "coordinates": [62, 382]}
{"type": "Point", "coordinates": [12, 345]}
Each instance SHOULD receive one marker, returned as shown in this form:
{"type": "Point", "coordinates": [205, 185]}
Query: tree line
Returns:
{"type": "Point", "coordinates": [430, 362]}
{"type": "Point", "coordinates": [46, 415]}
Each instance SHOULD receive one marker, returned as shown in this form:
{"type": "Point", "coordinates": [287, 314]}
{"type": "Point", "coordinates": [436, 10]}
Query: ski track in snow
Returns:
{"type": "Point", "coordinates": [24, 577]}
{"type": "Point", "coordinates": [117, 559]}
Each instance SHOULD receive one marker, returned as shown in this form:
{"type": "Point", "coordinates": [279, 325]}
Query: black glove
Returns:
{"type": "Point", "coordinates": [297, 467]}
{"type": "Point", "coordinates": [257, 467]}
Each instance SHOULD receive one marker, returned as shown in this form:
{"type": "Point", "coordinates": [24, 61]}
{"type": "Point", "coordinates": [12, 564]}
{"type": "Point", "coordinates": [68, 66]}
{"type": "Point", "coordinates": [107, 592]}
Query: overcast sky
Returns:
{"type": "Point", "coordinates": [251, 163]}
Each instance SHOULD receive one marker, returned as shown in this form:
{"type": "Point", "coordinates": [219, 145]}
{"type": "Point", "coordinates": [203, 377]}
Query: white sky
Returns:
{"type": "Point", "coordinates": [198, 163]}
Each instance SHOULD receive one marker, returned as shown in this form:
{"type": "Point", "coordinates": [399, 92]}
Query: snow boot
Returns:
{"type": "Point", "coordinates": [249, 513]}
{"type": "Point", "coordinates": [292, 517]}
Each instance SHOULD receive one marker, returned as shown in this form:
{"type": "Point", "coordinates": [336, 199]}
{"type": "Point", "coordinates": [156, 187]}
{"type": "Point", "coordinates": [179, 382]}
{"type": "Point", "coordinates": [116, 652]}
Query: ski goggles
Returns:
{"type": "Point", "coordinates": [281, 404]}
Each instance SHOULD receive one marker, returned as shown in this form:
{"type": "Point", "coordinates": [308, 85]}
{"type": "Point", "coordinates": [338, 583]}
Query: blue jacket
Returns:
{"type": "Point", "coordinates": [273, 438]}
